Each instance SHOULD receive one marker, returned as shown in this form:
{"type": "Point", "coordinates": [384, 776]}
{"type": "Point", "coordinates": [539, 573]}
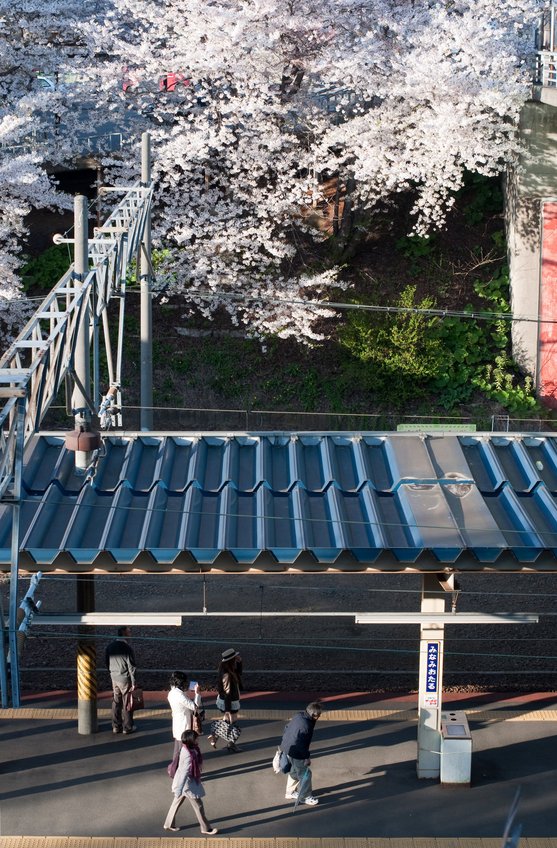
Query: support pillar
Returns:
{"type": "Point", "coordinates": [146, 307]}
{"type": "Point", "coordinates": [87, 722]}
{"type": "Point", "coordinates": [3, 660]}
{"type": "Point", "coordinates": [430, 681]}
{"type": "Point", "coordinates": [81, 394]}
{"type": "Point", "coordinates": [14, 567]}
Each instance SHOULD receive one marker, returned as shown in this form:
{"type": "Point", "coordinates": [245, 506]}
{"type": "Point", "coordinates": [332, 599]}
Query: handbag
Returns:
{"type": "Point", "coordinates": [134, 700]}
{"type": "Point", "coordinates": [284, 763]}
{"type": "Point", "coordinates": [172, 767]}
{"type": "Point", "coordinates": [225, 730]}
{"type": "Point", "coordinates": [281, 763]}
{"type": "Point", "coordinates": [197, 720]}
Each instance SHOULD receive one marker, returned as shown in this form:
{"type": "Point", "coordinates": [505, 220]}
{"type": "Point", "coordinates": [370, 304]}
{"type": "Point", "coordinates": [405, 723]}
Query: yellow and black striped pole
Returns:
{"type": "Point", "coordinates": [86, 660]}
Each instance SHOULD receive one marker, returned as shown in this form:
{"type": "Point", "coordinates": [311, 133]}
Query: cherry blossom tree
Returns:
{"type": "Point", "coordinates": [253, 103]}
{"type": "Point", "coordinates": [39, 118]}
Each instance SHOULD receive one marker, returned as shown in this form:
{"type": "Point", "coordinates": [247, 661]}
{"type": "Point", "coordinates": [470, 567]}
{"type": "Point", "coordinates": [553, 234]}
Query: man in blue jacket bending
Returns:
{"type": "Point", "coordinates": [296, 740]}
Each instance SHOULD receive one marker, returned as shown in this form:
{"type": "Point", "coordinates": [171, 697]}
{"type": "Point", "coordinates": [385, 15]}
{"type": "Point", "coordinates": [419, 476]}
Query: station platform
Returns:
{"type": "Point", "coordinates": [60, 789]}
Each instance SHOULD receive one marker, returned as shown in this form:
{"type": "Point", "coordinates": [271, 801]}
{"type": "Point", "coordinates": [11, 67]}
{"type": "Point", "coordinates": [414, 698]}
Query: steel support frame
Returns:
{"type": "Point", "coordinates": [35, 366]}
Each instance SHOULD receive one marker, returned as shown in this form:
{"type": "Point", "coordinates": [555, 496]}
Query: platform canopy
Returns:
{"type": "Point", "coordinates": [290, 502]}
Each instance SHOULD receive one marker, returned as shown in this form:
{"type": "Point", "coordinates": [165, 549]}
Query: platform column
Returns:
{"type": "Point", "coordinates": [146, 305]}
{"type": "Point", "coordinates": [86, 659]}
{"type": "Point", "coordinates": [430, 681]}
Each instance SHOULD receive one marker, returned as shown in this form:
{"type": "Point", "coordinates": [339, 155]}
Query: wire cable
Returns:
{"type": "Point", "coordinates": [365, 307]}
{"type": "Point", "coordinates": [147, 509]}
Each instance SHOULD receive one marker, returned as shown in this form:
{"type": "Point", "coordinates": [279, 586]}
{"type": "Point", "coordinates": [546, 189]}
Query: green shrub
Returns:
{"type": "Point", "coordinates": [44, 271]}
{"type": "Point", "coordinates": [484, 196]}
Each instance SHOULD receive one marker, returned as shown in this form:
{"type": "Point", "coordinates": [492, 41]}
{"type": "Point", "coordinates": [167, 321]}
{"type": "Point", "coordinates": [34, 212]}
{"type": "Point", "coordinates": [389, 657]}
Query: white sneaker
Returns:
{"type": "Point", "coordinates": [310, 801]}
{"type": "Point", "coordinates": [292, 796]}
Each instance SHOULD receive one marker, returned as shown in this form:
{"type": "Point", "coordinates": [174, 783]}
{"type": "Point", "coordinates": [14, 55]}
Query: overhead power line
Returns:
{"type": "Point", "coordinates": [366, 307]}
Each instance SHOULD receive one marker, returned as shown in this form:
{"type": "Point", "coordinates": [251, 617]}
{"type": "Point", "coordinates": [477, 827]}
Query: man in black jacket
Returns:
{"type": "Point", "coordinates": [120, 661]}
{"type": "Point", "coordinates": [296, 740]}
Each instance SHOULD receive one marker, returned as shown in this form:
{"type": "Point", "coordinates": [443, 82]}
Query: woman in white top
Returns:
{"type": "Point", "coordinates": [182, 707]}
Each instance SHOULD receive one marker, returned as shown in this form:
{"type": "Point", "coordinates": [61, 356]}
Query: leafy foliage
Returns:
{"type": "Point", "coordinates": [44, 271]}
{"type": "Point", "coordinates": [278, 104]}
{"type": "Point", "coordinates": [410, 355]}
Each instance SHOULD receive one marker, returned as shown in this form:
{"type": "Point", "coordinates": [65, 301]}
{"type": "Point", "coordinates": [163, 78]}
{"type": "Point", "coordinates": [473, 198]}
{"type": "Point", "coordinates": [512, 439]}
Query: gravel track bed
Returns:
{"type": "Point", "coordinates": [324, 654]}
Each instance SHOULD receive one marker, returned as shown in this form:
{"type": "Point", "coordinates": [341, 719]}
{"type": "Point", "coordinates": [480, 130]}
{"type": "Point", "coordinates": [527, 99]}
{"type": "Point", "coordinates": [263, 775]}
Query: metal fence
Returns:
{"type": "Point", "coordinates": [257, 420]}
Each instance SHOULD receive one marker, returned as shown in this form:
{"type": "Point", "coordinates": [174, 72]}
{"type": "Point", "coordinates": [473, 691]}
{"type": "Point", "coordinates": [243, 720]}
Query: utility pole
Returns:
{"type": "Point", "coordinates": [146, 310]}
{"type": "Point", "coordinates": [82, 360]}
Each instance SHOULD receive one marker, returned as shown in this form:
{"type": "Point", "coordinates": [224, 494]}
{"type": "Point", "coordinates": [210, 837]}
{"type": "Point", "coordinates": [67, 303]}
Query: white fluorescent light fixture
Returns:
{"type": "Point", "coordinates": [116, 619]}
{"type": "Point", "coordinates": [442, 618]}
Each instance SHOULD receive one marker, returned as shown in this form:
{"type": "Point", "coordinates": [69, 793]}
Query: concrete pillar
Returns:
{"type": "Point", "coordinates": [87, 722]}
{"type": "Point", "coordinates": [82, 348]}
{"type": "Point", "coordinates": [430, 681]}
{"type": "Point", "coordinates": [146, 307]}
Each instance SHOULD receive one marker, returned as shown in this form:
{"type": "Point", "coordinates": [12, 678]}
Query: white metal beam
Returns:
{"type": "Point", "coordinates": [145, 619]}
{"type": "Point", "coordinates": [444, 618]}
{"type": "Point", "coordinates": [175, 618]}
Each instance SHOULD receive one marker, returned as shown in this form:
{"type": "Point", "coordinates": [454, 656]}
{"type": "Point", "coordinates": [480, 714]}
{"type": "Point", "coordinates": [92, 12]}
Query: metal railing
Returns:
{"type": "Point", "coordinates": [545, 72]}
{"type": "Point", "coordinates": [257, 420]}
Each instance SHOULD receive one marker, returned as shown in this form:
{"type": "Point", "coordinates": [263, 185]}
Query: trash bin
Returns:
{"type": "Point", "coordinates": [456, 749]}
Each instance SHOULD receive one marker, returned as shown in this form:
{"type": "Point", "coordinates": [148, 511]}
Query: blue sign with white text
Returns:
{"type": "Point", "coordinates": [432, 676]}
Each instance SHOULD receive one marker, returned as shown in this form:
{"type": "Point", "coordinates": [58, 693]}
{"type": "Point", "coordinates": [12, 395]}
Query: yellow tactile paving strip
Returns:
{"type": "Point", "coordinates": [44, 714]}
{"type": "Point", "coordinates": [269, 842]}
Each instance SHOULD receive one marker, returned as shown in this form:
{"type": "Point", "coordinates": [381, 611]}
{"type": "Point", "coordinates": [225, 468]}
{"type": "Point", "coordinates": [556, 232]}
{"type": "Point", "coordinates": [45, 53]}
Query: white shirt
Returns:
{"type": "Point", "coordinates": [181, 705]}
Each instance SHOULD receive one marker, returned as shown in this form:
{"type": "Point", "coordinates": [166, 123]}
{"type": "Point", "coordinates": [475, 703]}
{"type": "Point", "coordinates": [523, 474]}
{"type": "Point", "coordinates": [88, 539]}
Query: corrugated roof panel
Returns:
{"type": "Point", "coordinates": [447, 457]}
{"type": "Point", "coordinates": [83, 528]}
{"type": "Point", "coordinates": [301, 499]}
{"type": "Point", "coordinates": [318, 526]}
{"type": "Point", "coordinates": [128, 515]}
{"type": "Point", "coordinates": [430, 521]}
{"type": "Point", "coordinates": [111, 465]}
{"type": "Point", "coordinates": [245, 464]}
{"type": "Point", "coordinates": [163, 530]}
{"type": "Point", "coordinates": [277, 508]}
{"type": "Point", "coordinates": [475, 522]}
{"type": "Point", "coordinates": [412, 459]}
{"type": "Point", "coordinates": [276, 468]}
{"type": "Point", "coordinates": [516, 465]}
{"type": "Point", "coordinates": [176, 471]}
{"type": "Point", "coordinates": [143, 463]}
{"type": "Point", "coordinates": [543, 456]}
{"type": "Point", "coordinates": [202, 522]}
{"type": "Point", "coordinates": [211, 462]}
{"type": "Point", "coordinates": [54, 463]}
{"type": "Point", "coordinates": [394, 522]}
{"type": "Point", "coordinates": [346, 471]}
{"type": "Point", "coordinates": [40, 461]}
{"type": "Point", "coordinates": [483, 463]}
{"type": "Point", "coordinates": [515, 525]}
{"type": "Point", "coordinates": [52, 515]}
{"type": "Point", "coordinates": [360, 526]}
{"type": "Point", "coordinates": [312, 458]}
{"type": "Point", "coordinates": [541, 508]}
{"type": "Point", "coordinates": [241, 533]}
{"type": "Point", "coordinates": [378, 461]}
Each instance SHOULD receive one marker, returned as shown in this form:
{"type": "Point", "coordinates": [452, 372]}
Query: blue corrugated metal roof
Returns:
{"type": "Point", "coordinates": [340, 500]}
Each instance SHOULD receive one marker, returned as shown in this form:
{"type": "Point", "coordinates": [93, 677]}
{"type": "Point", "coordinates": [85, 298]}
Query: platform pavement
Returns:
{"type": "Point", "coordinates": [106, 791]}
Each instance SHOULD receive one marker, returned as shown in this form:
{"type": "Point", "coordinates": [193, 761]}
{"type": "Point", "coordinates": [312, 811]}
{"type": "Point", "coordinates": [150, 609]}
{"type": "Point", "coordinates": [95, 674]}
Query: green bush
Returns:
{"type": "Point", "coordinates": [484, 197]}
{"type": "Point", "coordinates": [45, 270]}
{"type": "Point", "coordinates": [409, 355]}
{"type": "Point", "coordinates": [401, 352]}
